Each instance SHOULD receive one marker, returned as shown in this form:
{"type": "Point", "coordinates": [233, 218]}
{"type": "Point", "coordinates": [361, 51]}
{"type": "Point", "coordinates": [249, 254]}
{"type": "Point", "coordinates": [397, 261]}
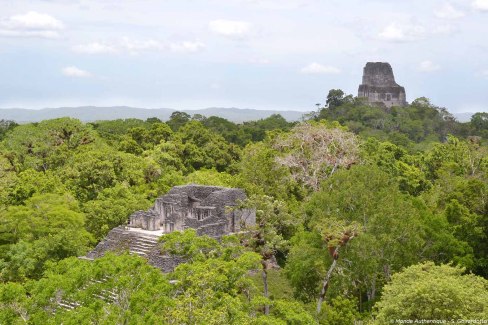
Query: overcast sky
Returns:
{"type": "Point", "coordinates": [263, 54]}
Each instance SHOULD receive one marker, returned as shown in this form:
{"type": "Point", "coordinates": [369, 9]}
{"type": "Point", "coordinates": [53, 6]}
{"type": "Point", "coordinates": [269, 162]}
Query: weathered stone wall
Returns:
{"type": "Point", "coordinates": [197, 207]}
{"type": "Point", "coordinates": [378, 74]}
{"type": "Point", "coordinates": [147, 220]}
{"type": "Point", "coordinates": [213, 229]}
{"type": "Point", "coordinates": [379, 85]}
{"type": "Point", "coordinates": [207, 209]}
{"type": "Point", "coordinates": [117, 240]}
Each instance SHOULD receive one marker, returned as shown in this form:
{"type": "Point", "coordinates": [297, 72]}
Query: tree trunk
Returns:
{"type": "Point", "coordinates": [387, 271]}
{"type": "Point", "coordinates": [360, 301]}
{"type": "Point", "coordinates": [373, 288]}
{"type": "Point", "coordinates": [325, 284]}
{"type": "Point", "coordinates": [265, 284]}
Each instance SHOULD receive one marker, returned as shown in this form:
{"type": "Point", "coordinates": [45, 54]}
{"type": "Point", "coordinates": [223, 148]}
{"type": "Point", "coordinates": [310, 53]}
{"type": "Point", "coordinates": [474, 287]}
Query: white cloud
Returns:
{"type": "Point", "coordinates": [428, 66]}
{"type": "Point", "coordinates": [317, 68]}
{"type": "Point", "coordinates": [73, 71]}
{"type": "Point", "coordinates": [485, 73]}
{"type": "Point", "coordinates": [443, 30]}
{"type": "Point", "coordinates": [31, 24]}
{"type": "Point", "coordinates": [127, 45]}
{"type": "Point", "coordinates": [481, 5]}
{"type": "Point", "coordinates": [136, 46]}
{"type": "Point", "coordinates": [230, 28]}
{"type": "Point", "coordinates": [187, 47]}
{"type": "Point", "coordinates": [448, 12]}
{"type": "Point", "coordinates": [406, 33]}
{"type": "Point", "coordinates": [94, 48]}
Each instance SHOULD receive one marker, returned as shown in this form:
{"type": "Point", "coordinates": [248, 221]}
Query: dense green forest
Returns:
{"type": "Point", "coordinates": [373, 215]}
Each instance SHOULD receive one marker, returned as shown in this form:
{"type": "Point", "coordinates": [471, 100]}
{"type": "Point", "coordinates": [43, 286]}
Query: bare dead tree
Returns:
{"type": "Point", "coordinates": [313, 152]}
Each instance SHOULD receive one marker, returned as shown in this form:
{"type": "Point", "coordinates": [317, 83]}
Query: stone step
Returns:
{"type": "Point", "coordinates": [138, 252]}
{"type": "Point", "coordinates": [110, 293]}
{"type": "Point", "coordinates": [143, 244]}
{"type": "Point", "coordinates": [120, 230]}
{"type": "Point", "coordinates": [139, 249]}
{"type": "Point", "coordinates": [95, 281]}
{"type": "Point", "coordinates": [68, 304]}
{"type": "Point", "coordinates": [106, 296]}
{"type": "Point", "coordinates": [147, 239]}
{"type": "Point", "coordinates": [142, 250]}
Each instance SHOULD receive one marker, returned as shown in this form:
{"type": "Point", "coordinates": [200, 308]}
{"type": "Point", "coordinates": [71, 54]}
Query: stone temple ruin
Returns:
{"type": "Point", "coordinates": [207, 209]}
{"type": "Point", "coordinates": [379, 85]}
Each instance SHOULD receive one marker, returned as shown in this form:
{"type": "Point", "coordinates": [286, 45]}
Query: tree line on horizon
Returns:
{"type": "Point", "coordinates": [372, 214]}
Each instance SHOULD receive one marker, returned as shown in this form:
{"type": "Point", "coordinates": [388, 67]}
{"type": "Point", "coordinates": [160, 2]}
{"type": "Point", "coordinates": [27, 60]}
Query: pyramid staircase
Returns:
{"type": "Point", "coordinates": [142, 244]}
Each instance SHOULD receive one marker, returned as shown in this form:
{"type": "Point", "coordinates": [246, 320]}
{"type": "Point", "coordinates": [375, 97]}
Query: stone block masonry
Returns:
{"type": "Point", "coordinates": [207, 209]}
{"type": "Point", "coordinates": [379, 86]}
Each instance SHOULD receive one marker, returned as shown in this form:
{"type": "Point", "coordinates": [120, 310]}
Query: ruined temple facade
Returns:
{"type": "Point", "coordinates": [208, 209]}
{"type": "Point", "coordinates": [379, 85]}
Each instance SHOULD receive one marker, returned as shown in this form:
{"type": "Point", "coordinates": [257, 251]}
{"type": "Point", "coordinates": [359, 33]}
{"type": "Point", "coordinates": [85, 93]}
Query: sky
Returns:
{"type": "Point", "coordinates": [261, 54]}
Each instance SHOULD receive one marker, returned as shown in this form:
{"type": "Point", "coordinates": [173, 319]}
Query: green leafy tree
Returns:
{"type": "Point", "coordinates": [109, 290]}
{"type": "Point", "coordinates": [479, 122]}
{"type": "Point", "coordinates": [147, 137]}
{"type": "Point", "coordinates": [203, 148]}
{"type": "Point", "coordinates": [419, 121]}
{"type": "Point", "coordinates": [397, 162]}
{"type": "Point", "coordinates": [258, 130]}
{"type": "Point", "coordinates": [168, 155]}
{"type": "Point", "coordinates": [427, 291]}
{"type": "Point", "coordinates": [339, 311]}
{"type": "Point", "coordinates": [391, 225]}
{"type": "Point", "coordinates": [49, 227]}
{"type": "Point", "coordinates": [462, 201]}
{"type": "Point", "coordinates": [112, 208]}
{"type": "Point", "coordinates": [307, 264]}
{"type": "Point", "coordinates": [6, 126]}
{"type": "Point", "coordinates": [231, 132]}
{"type": "Point", "coordinates": [267, 237]}
{"type": "Point", "coordinates": [189, 246]}
{"type": "Point", "coordinates": [89, 173]}
{"type": "Point", "coordinates": [153, 120]}
{"type": "Point", "coordinates": [459, 157]}
{"type": "Point", "coordinates": [214, 178]}
{"type": "Point", "coordinates": [214, 287]}
{"type": "Point", "coordinates": [13, 306]}
{"type": "Point", "coordinates": [48, 144]}
{"type": "Point", "coordinates": [110, 130]}
{"type": "Point", "coordinates": [178, 119]}
{"type": "Point", "coordinates": [30, 182]}
{"type": "Point", "coordinates": [336, 97]}
{"type": "Point", "coordinates": [8, 179]}
{"type": "Point", "coordinates": [262, 175]}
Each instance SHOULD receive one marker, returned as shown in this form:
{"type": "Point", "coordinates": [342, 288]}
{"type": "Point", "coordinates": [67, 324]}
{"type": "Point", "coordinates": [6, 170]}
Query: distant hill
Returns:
{"type": "Point", "coordinates": [93, 113]}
